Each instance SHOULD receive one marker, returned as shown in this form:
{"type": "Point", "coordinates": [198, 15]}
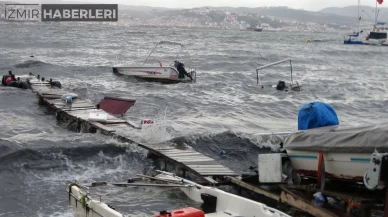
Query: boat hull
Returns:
{"type": "Point", "coordinates": [353, 42]}
{"type": "Point", "coordinates": [162, 74]}
{"type": "Point", "coordinates": [348, 166]}
{"type": "Point", "coordinates": [84, 206]}
{"type": "Point", "coordinates": [374, 42]}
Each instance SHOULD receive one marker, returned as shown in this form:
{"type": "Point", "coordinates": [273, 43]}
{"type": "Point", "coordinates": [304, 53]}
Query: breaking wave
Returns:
{"type": "Point", "coordinates": [60, 158]}
{"type": "Point", "coordinates": [31, 64]}
{"type": "Point", "coordinates": [238, 151]}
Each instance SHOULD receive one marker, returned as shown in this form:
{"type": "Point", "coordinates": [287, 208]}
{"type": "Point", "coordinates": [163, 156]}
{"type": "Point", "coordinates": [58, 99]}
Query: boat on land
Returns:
{"type": "Point", "coordinates": [346, 151]}
{"type": "Point", "coordinates": [323, 148]}
{"type": "Point", "coordinates": [163, 71]}
{"type": "Point", "coordinates": [215, 202]}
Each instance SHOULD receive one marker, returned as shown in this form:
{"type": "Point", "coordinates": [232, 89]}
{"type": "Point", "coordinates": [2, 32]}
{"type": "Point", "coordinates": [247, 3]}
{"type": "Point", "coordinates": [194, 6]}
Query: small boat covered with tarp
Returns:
{"type": "Point", "coordinates": [346, 152]}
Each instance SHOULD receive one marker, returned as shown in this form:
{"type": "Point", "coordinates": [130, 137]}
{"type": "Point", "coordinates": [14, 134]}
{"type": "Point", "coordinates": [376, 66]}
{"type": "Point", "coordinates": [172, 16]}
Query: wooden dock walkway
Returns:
{"type": "Point", "coordinates": [78, 111]}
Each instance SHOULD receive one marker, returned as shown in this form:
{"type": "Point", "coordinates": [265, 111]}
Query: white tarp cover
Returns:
{"type": "Point", "coordinates": [364, 139]}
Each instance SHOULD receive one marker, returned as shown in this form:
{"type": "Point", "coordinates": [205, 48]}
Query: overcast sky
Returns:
{"type": "Point", "coordinates": [298, 4]}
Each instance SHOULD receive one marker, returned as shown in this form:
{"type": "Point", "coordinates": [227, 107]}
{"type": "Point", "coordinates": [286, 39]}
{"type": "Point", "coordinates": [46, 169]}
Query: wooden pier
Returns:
{"type": "Point", "coordinates": [77, 112]}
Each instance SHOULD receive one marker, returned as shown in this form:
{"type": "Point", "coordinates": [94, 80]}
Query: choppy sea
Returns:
{"type": "Point", "coordinates": [225, 110]}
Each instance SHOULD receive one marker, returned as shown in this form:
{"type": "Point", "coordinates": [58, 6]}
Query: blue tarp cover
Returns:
{"type": "Point", "coordinates": [316, 114]}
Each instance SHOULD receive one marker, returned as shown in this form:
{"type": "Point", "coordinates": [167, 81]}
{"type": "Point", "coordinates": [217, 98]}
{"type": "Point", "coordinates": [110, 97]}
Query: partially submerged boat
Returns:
{"type": "Point", "coordinates": [215, 202]}
{"type": "Point", "coordinates": [281, 85]}
{"type": "Point", "coordinates": [166, 71]}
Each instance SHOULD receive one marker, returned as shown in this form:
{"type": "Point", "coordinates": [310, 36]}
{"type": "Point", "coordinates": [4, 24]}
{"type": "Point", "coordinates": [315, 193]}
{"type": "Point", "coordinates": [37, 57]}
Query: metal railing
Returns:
{"type": "Point", "coordinates": [273, 64]}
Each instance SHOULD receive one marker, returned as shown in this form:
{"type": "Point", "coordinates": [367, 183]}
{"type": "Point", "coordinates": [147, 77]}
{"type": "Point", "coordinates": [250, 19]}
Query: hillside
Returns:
{"type": "Point", "coordinates": [352, 11]}
{"type": "Point", "coordinates": [234, 18]}
{"type": "Point", "coordinates": [272, 18]}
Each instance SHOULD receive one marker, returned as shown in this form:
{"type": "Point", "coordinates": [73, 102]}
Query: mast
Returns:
{"type": "Point", "coordinates": [376, 15]}
{"type": "Point", "coordinates": [358, 31]}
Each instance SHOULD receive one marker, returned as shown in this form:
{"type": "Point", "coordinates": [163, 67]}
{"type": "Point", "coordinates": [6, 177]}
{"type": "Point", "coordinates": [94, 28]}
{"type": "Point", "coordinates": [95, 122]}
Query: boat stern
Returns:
{"type": "Point", "coordinates": [115, 70]}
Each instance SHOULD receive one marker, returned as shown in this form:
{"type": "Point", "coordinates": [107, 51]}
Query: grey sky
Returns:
{"type": "Point", "coordinates": [298, 4]}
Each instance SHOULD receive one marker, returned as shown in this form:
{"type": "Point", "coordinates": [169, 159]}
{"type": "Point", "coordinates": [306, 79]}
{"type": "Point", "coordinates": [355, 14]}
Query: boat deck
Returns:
{"type": "Point", "coordinates": [78, 111]}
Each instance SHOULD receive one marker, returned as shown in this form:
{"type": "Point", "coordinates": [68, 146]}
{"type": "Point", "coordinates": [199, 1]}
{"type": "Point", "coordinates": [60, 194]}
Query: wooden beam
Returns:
{"type": "Point", "coordinates": [149, 185]}
{"type": "Point", "coordinates": [299, 202]}
{"type": "Point", "coordinates": [254, 188]}
{"type": "Point", "coordinates": [159, 179]}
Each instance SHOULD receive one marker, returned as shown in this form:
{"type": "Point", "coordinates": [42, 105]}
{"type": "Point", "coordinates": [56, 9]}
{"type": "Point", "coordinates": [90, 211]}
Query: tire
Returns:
{"type": "Point", "coordinates": [13, 84]}
{"type": "Point", "coordinates": [23, 85]}
{"type": "Point", "coordinates": [56, 84]}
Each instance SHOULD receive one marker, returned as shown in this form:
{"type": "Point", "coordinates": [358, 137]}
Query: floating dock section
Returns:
{"type": "Point", "coordinates": [78, 113]}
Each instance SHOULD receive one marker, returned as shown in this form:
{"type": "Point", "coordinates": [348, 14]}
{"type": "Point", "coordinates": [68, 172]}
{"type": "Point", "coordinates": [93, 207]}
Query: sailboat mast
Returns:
{"type": "Point", "coordinates": [376, 14]}
{"type": "Point", "coordinates": [358, 17]}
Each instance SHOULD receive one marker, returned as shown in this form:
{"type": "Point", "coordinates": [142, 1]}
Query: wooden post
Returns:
{"type": "Point", "coordinates": [78, 125]}
{"type": "Point", "coordinates": [386, 203]}
{"type": "Point", "coordinates": [41, 100]}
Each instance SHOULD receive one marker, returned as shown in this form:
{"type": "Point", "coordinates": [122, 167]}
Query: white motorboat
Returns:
{"type": "Point", "coordinates": [215, 202]}
{"type": "Point", "coordinates": [160, 72]}
{"type": "Point", "coordinates": [346, 151]}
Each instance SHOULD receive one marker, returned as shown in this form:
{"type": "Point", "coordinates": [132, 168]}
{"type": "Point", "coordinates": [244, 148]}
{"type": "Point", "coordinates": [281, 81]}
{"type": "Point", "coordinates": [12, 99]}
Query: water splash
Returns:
{"type": "Point", "coordinates": [158, 131]}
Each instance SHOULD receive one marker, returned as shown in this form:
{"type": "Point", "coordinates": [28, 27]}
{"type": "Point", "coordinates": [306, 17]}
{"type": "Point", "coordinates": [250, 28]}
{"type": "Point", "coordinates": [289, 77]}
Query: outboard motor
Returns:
{"type": "Point", "coordinates": [281, 85]}
{"type": "Point", "coordinates": [376, 175]}
{"type": "Point", "coordinates": [4, 79]}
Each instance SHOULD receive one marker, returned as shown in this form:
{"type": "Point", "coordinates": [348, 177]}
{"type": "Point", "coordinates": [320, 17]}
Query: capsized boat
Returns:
{"type": "Point", "coordinates": [215, 202]}
{"type": "Point", "coordinates": [167, 71]}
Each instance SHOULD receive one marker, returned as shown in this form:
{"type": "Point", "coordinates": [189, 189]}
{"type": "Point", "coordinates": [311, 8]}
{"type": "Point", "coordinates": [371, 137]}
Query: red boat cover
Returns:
{"type": "Point", "coordinates": [116, 106]}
